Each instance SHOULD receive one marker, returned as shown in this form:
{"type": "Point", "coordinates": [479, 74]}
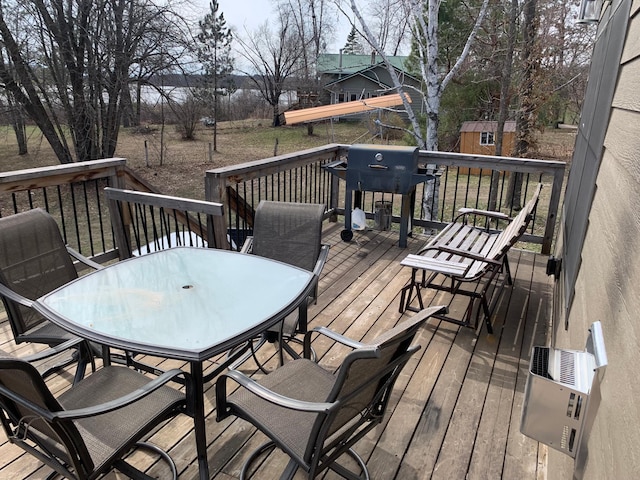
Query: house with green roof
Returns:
{"type": "Point", "coordinates": [347, 78]}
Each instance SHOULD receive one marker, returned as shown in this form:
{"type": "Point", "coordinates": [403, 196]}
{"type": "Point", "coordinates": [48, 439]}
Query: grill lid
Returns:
{"type": "Point", "coordinates": [382, 168]}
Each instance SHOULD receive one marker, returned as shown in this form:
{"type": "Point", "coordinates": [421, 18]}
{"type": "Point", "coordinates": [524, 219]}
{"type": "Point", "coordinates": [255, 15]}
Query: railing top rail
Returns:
{"type": "Point", "coordinates": [164, 201]}
{"type": "Point", "coordinates": [17, 180]}
{"type": "Point", "coordinates": [268, 165]}
{"type": "Point", "coordinates": [526, 165]}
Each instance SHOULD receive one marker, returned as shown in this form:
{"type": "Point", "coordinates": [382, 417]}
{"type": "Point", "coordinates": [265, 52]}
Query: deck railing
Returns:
{"type": "Point", "coordinates": [73, 193]}
{"type": "Point", "coordinates": [464, 181]}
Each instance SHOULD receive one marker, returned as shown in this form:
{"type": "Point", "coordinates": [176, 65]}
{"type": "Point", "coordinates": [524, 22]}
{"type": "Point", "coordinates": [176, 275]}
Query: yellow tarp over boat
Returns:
{"type": "Point", "coordinates": [344, 108]}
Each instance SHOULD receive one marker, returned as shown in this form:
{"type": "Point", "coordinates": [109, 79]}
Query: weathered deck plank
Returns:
{"type": "Point", "coordinates": [454, 413]}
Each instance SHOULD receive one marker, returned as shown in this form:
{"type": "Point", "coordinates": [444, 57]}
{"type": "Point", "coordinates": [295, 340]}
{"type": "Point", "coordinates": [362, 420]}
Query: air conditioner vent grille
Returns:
{"type": "Point", "coordinates": [540, 362]}
{"type": "Point", "coordinates": [567, 367]}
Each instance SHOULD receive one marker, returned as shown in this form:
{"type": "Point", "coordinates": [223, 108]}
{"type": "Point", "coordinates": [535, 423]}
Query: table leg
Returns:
{"type": "Point", "coordinates": [197, 404]}
{"type": "Point", "coordinates": [106, 356]}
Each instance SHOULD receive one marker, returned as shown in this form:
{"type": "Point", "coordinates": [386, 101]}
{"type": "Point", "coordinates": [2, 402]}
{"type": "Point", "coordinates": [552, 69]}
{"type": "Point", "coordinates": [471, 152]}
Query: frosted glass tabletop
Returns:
{"type": "Point", "coordinates": [188, 303]}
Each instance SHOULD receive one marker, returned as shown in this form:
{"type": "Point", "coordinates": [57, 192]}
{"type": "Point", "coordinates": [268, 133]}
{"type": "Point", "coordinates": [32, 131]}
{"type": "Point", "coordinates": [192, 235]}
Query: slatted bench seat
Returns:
{"type": "Point", "coordinates": [466, 254]}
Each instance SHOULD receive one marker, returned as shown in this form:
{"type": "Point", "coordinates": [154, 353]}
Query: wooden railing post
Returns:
{"type": "Point", "coordinates": [554, 203]}
{"type": "Point", "coordinates": [215, 191]}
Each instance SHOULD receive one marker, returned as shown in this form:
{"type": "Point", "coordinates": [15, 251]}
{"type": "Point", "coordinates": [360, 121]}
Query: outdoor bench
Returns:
{"type": "Point", "coordinates": [467, 254]}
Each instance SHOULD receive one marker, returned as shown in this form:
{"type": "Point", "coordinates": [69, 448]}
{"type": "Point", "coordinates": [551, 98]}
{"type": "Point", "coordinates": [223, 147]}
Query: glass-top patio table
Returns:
{"type": "Point", "coordinates": [183, 303]}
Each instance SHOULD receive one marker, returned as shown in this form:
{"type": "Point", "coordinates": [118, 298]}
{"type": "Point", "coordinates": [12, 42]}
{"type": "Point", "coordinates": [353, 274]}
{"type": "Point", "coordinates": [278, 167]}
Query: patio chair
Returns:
{"type": "Point", "coordinates": [34, 261]}
{"type": "Point", "coordinates": [290, 233]}
{"type": "Point", "coordinates": [314, 415]}
{"type": "Point", "coordinates": [468, 254]}
{"type": "Point", "coordinates": [146, 222]}
{"type": "Point", "coordinates": [87, 430]}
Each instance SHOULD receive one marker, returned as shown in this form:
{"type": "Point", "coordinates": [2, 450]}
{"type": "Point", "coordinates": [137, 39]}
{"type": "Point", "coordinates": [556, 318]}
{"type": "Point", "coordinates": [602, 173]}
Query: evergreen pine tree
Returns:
{"type": "Point", "coordinates": [215, 54]}
{"type": "Point", "coordinates": [353, 45]}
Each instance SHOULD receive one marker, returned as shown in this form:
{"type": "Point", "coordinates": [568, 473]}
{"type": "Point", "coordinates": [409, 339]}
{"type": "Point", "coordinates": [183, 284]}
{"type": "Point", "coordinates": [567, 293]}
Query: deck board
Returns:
{"type": "Point", "coordinates": [455, 410]}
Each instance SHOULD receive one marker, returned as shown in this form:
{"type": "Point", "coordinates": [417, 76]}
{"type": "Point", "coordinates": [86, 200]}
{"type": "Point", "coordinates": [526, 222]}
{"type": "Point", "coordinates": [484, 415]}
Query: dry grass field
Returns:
{"type": "Point", "coordinates": [180, 171]}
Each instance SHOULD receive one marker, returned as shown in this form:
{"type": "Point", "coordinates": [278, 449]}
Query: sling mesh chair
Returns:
{"type": "Point", "coordinates": [34, 261]}
{"type": "Point", "coordinates": [290, 233]}
{"type": "Point", "coordinates": [88, 429]}
{"type": "Point", "coordinates": [314, 415]}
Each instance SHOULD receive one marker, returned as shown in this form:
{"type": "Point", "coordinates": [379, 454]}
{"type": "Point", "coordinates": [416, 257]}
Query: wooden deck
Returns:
{"type": "Point", "coordinates": [455, 412]}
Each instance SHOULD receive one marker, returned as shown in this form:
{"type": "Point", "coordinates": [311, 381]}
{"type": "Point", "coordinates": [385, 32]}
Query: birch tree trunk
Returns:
{"type": "Point", "coordinates": [426, 38]}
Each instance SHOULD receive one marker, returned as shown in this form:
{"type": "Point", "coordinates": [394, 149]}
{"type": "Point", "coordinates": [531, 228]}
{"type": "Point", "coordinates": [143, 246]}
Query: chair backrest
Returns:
{"type": "Point", "coordinates": [27, 403]}
{"type": "Point", "coordinates": [366, 378]}
{"type": "Point", "coordinates": [288, 232]}
{"type": "Point", "coordinates": [146, 222]}
{"type": "Point", "coordinates": [33, 261]}
{"type": "Point", "coordinates": [516, 228]}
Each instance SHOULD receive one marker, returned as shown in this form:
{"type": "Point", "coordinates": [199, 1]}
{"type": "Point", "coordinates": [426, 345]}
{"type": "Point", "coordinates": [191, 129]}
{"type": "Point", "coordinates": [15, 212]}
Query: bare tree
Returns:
{"type": "Point", "coordinates": [505, 93]}
{"type": "Point", "coordinates": [525, 118]}
{"type": "Point", "coordinates": [188, 111]}
{"type": "Point", "coordinates": [390, 24]}
{"type": "Point", "coordinates": [312, 25]}
{"type": "Point", "coordinates": [15, 112]}
{"type": "Point", "coordinates": [71, 68]}
{"type": "Point", "coordinates": [273, 59]}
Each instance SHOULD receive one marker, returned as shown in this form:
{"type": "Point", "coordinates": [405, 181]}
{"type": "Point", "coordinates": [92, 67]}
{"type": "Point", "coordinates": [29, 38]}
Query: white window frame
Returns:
{"type": "Point", "coordinates": [487, 138]}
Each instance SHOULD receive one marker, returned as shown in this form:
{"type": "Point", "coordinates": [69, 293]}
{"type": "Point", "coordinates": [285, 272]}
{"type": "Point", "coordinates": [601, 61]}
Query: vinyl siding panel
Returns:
{"type": "Point", "coordinates": [607, 286]}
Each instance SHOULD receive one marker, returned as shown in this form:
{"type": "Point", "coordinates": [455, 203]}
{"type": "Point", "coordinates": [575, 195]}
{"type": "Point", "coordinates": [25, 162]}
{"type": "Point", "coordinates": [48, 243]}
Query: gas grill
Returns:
{"type": "Point", "coordinates": [380, 168]}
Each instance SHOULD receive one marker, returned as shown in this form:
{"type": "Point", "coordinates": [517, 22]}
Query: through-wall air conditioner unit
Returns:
{"type": "Point", "coordinates": [562, 395]}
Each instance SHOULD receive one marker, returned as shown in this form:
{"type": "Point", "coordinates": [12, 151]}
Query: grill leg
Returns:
{"type": "Point", "coordinates": [348, 195]}
{"type": "Point", "coordinates": [405, 219]}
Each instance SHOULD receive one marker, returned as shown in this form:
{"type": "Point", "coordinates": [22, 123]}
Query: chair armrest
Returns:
{"type": "Point", "coordinates": [484, 213]}
{"type": "Point", "coordinates": [336, 337]}
{"type": "Point", "coordinates": [16, 297]}
{"type": "Point", "coordinates": [123, 401]}
{"type": "Point", "coordinates": [322, 259]}
{"type": "Point", "coordinates": [247, 246]}
{"type": "Point", "coordinates": [264, 393]}
{"type": "Point", "coordinates": [51, 351]}
{"type": "Point", "coordinates": [78, 256]}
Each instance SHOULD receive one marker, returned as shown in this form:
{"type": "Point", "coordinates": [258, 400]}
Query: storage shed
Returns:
{"type": "Point", "coordinates": [478, 138]}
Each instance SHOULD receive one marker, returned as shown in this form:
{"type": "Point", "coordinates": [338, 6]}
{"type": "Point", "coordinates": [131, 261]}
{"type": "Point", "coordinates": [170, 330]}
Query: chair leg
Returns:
{"type": "Point", "coordinates": [348, 474]}
{"type": "Point", "coordinates": [487, 313]}
{"type": "Point", "coordinates": [85, 357]}
{"type": "Point", "coordinates": [507, 270]}
{"type": "Point", "coordinates": [263, 449]}
{"type": "Point", "coordinates": [407, 290]}
{"type": "Point", "coordinates": [134, 473]}
{"type": "Point", "coordinates": [285, 346]}
{"type": "Point", "coordinates": [250, 352]}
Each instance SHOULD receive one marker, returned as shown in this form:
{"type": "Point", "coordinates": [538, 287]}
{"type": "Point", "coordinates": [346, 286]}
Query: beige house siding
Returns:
{"type": "Point", "coordinates": [608, 284]}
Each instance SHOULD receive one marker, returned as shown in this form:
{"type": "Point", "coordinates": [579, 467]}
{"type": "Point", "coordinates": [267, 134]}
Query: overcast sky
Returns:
{"type": "Point", "coordinates": [252, 13]}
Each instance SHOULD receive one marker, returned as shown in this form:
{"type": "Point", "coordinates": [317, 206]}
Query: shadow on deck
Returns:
{"type": "Point", "coordinates": [455, 411]}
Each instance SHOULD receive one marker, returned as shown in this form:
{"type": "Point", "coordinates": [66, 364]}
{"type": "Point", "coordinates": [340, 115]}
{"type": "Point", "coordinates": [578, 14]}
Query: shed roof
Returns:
{"type": "Point", "coordinates": [487, 126]}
